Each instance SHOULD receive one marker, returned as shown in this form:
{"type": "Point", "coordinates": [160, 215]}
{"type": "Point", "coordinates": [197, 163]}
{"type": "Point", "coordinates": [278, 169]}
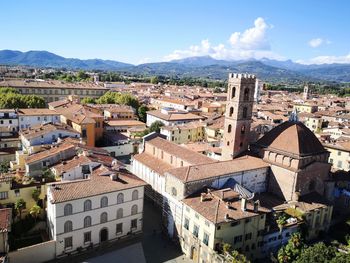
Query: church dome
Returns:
{"type": "Point", "coordinates": [291, 138]}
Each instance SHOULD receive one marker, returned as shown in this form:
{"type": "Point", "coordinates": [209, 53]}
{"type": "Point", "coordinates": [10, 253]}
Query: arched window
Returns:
{"type": "Point", "coordinates": [246, 94]}
{"type": "Point", "coordinates": [87, 221]}
{"type": "Point", "coordinates": [103, 218]}
{"type": "Point", "coordinates": [233, 92]}
{"type": "Point", "coordinates": [228, 143]}
{"type": "Point", "coordinates": [245, 112]}
{"type": "Point", "coordinates": [104, 201]}
{"type": "Point", "coordinates": [135, 195]}
{"type": "Point", "coordinates": [243, 129]}
{"type": "Point", "coordinates": [134, 210]}
{"type": "Point", "coordinates": [87, 205]}
{"type": "Point", "coordinates": [229, 128]}
{"type": "Point", "coordinates": [120, 198]}
{"type": "Point", "coordinates": [120, 213]}
{"type": "Point", "coordinates": [231, 111]}
{"type": "Point", "coordinates": [68, 209]}
{"type": "Point", "coordinates": [68, 226]}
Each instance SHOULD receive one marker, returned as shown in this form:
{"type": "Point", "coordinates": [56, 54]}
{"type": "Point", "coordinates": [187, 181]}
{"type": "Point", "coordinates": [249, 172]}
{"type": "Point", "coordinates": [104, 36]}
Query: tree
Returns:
{"type": "Point", "coordinates": [238, 258]}
{"type": "Point", "coordinates": [291, 250]}
{"type": "Point", "coordinates": [19, 206]}
{"type": "Point", "coordinates": [142, 112]}
{"type": "Point", "coordinates": [36, 194]}
{"type": "Point", "coordinates": [35, 211]}
{"type": "Point", "coordinates": [4, 167]}
{"type": "Point", "coordinates": [340, 258]}
{"type": "Point", "coordinates": [317, 253]}
{"type": "Point", "coordinates": [88, 100]}
{"type": "Point", "coordinates": [154, 80]}
{"type": "Point", "coordinates": [155, 126]}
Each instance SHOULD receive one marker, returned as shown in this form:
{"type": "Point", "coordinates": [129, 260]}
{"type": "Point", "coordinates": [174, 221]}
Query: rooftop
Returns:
{"type": "Point", "coordinates": [174, 116]}
{"type": "Point", "coordinates": [41, 129]}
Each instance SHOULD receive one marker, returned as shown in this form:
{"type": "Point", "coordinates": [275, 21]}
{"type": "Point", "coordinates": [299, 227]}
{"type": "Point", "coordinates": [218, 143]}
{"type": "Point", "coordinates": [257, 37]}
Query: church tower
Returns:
{"type": "Point", "coordinates": [238, 115]}
{"type": "Point", "coordinates": [306, 94]}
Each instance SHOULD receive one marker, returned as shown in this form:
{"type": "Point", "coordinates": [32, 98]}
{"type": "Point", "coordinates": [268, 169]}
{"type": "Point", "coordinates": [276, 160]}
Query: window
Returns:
{"type": "Point", "coordinates": [83, 133]}
{"type": "Point", "coordinates": [235, 223]}
{"type": "Point", "coordinates": [231, 111]}
{"type": "Point", "coordinates": [134, 223]}
{"type": "Point", "coordinates": [229, 128]}
{"type": "Point", "coordinates": [187, 223]}
{"type": "Point", "coordinates": [68, 226]}
{"type": "Point", "coordinates": [245, 112]}
{"type": "Point", "coordinates": [87, 237]}
{"type": "Point", "coordinates": [171, 158]}
{"type": "Point", "coordinates": [248, 236]}
{"type": "Point", "coordinates": [17, 193]}
{"type": "Point", "coordinates": [134, 210]}
{"type": "Point", "coordinates": [331, 160]}
{"type": "Point", "coordinates": [68, 242]}
{"type": "Point", "coordinates": [195, 230]}
{"type": "Point", "coordinates": [339, 153]}
{"type": "Point", "coordinates": [103, 218]}
{"type": "Point", "coordinates": [206, 239]}
{"type": "Point", "coordinates": [120, 198]}
{"type": "Point", "coordinates": [3, 195]}
{"type": "Point", "coordinates": [237, 239]}
{"type": "Point", "coordinates": [87, 205]}
{"type": "Point", "coordinates": [87, 221]}
{"type": "Point", "coordinates": [68, 209]}
{"type": "Point", "coordinates": [119, 213]}
{"type": "Point", "coordinates": [248, 220]}
{"type": "Point", "coordinates": [119, 229]}
{"type": "Point", "coordinates": [173, 191]}
{"type": "Point", "coordinates": [243, 129]}
{"type": "Point", "coordinates": [104, 201]}
{"type": "Point", "coordinates": [246, 94]}
{"type": "Point", "coordinates": [182, 163]}
{"type": "Point", "coordinates": [228, 143]}
{"type": "Point", "coordinates": [161, 154]}
{"type": "Point", "coordinates": [233, 92]}
{"type": "Point", "coordinates": [340, 164]}
{"type": "Point", "coordinates": [135, 195]}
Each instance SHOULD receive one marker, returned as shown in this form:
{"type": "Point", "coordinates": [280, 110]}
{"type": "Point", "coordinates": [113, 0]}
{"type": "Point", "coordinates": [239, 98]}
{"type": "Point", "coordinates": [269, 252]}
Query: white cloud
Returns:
{"type": "Point", "coordinates": [252, 43]}
{"type": "Point", "coordinates": [316, 42]}
{"type": "Point", "coordinates": [326, 60]}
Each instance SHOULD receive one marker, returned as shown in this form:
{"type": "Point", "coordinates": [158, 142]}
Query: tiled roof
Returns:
{"type": "Point", "coordinates": [174, 116]}
{"type": "Point", "coordinates": [208, 170]}
{"type": "Point", "coordinates": [181, 152]}
{"type": "Point", "coordinates": [215, 205]}
{"type": "Point", "coordinates": [36, 112]}
{"type": "Point", "coordinates": [38, 130]}
{"type": "Point", "coordinates": [124, 123]}
{"type": "Point", "coordinates": [99, 183]}
{"type": "Point", "coordinates": [55, 150]}
{"type": "Point", "coordinates": [153, 163]}
{"type": "Point", "coordinates": [293, 138]}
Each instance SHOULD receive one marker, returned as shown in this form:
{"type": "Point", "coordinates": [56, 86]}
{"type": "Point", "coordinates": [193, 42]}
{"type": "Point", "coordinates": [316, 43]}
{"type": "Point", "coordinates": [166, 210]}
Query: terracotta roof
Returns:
{"type": "Point", "coordinates": [36, 112]}
{"type": "Point", "coordinates": [153, 163]}
{"type": "Point", "coordinates": [291, 137]}
{"type": "Point", "coordinates": [38, 130]}
{"type": "Point", "coordinates": [125, 123]}
{"type": "Point", "coordinates": [55, 150]}
{"type": "Point", "coordinates": [185, 126]}
{"type": "Point", "coordinates": [214, 208]}
{"type": "Point", "coordinates": [214, 169]}
{"type": "Point", "coordinates": [99, 183]}
{"type": "Point", "coordinates": [5, 219]}
{"type": "Point", "coordinates": [181, 152]}
{"type": "Point", "coordinates": [174, 116]}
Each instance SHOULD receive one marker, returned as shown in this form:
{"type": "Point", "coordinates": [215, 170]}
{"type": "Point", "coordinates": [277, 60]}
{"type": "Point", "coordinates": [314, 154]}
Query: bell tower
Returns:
{"type": "Point", "coordinates": [238, 115]}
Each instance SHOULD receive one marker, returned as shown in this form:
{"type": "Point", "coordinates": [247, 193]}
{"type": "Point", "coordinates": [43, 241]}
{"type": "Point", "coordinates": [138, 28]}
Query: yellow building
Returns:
{"type": "Point", "coordinates": [305, 108]}
{"type": "Point", "coordinates": [314, 123]}
{"type": "Point", "coordinates": [214, 107]}
{"type": "Point", "coordinates": [10, 191]}
{"type": "Point", "coordinates": [189, 132]}
{"type": "Point", "coordinates": [339, 155]}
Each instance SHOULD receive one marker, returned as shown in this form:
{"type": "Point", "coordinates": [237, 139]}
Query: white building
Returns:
{"type": "Point", "coordinates": [31, 117]}
{"type": "Point", "coordinates": [84, 213]}
{"type": "Point", "coordinates": [8, 120]}
{"type": "Point", "coordinates": [170, 116]}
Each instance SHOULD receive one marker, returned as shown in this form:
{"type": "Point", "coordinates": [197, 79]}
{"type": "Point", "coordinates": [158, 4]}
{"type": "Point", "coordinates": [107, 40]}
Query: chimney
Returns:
{"type": "Point", "coordinates": [202, 197]}
{"type": "Point", "coordinates": [256, 206]}
{"type": "Point", "coordinates": [243, 204]}
{"type": "Point", "coordinates": [114, 177]}
{"type": "Point", "coordinates": [296, 196]}
{"type": "Point", "coordinates": [226, 217]}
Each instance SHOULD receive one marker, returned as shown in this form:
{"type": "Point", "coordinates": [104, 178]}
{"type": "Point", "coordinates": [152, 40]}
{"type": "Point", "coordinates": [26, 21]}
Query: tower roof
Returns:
{"type": "Point", "coordinates": [293, 138]}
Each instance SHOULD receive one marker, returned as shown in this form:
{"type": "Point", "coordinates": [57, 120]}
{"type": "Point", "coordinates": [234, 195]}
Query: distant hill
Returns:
{"type": "Point", "coordinates": [47, 59]}
{"type": "Point", "coordinates": [200, 67]}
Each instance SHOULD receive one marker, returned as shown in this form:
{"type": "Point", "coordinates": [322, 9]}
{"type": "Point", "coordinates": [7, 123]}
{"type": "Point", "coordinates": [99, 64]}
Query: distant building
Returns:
{"type": "Point", "coordinates": [169, 116]}
{"type": "Point", "coordinates": [184, 133]}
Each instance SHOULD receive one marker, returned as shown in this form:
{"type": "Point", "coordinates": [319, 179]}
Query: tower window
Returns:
{"type": "Point", "coordinates": [246, 94]}
{"type": "Point", "coordinates": [243, 129]}
{"type": "Point", "coordinates": [228, 143]}
{"type": "Point", "coordinates": [231, 111]}
{"type": "Point", "coordinates": [229, 128]}
{"type": "Point", "coordinates": [245, 109]}
{"type": "Point", "coordinates": [233, 92]}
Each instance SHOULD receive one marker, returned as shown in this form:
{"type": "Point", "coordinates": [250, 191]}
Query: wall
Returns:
{"type": "Point", "coordinates": [339, 159]}
{"type": "Point", "coordinates": [34, 254]}
{"type": "Point", "coordinates": [120, 150]}
{"type": "Point", "coordinates": [32, 120]}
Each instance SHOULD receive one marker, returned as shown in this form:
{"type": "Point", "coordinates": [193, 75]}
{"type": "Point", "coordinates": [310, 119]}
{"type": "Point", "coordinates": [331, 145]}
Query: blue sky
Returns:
{"type": "Point", "coordinates": [158, 30]}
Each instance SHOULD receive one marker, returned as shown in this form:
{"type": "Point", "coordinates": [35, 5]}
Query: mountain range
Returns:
{"type": "Point", "coordinates": [199, 67]}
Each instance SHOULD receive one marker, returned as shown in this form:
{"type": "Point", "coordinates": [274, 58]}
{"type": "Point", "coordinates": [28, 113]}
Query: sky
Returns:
{"type": "Point", "coordinates": [136, 31]}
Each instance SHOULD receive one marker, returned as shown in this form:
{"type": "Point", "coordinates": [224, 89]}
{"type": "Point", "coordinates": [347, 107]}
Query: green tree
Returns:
{"type": "Point", "coordinates": [4, 167]}
{"type": "Point", "coordinates": [142, 112]}
{"type": "Point", "coordinates": [317, 253]}
{"type": "Point", "coordinates": [19, 206]}
{"type": "Point", "coordinates": [154, 80]}
{"type": "Point", "coordinates": [340, 258]}
{"type": "Point", "coordinates": [81, 75]}
{"type": "Point", "coordinates": [238, 257]}
{"type": "Point", "coordinates": [4, 90]}
{"type": "Point", "coordinates": [88, 100]}
{"type": "Point", "coordinates": [36, 194]}
{"type": "Point", "coordinates": [35, 211]}
{"type": "Point", "coordinates": [292, 249]}
{"type": "Point", "coordinates": [155, 126]}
